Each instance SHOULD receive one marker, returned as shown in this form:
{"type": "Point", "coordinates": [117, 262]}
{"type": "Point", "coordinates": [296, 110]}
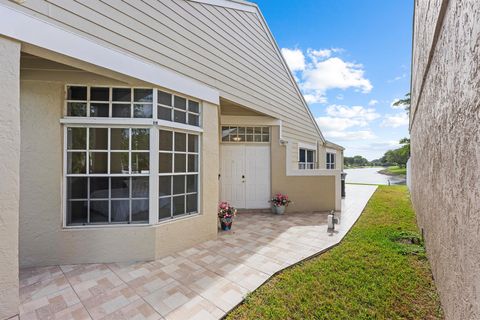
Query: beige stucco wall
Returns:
{"type": "Point", "coordinates": [445, 150]}
{"type": "Point", "coordinates": [9, 175]}
{"type": "Point", "coordinates": [43, 241]}
{"type": "Point", "coordinates": [309, 193]}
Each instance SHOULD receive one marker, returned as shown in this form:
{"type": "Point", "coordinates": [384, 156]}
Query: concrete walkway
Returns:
{"type": "Point", "coordinates": [202, 282]}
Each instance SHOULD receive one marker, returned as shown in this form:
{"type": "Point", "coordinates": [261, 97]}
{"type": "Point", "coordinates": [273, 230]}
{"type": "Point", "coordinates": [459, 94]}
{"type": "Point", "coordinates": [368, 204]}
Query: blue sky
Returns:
{"type": "Point", "coordinates": [352, 60]}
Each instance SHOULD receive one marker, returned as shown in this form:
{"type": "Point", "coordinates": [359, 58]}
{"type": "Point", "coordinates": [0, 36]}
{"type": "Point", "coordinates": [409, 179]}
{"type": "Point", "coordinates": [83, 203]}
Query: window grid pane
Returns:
{"type": "Point", "coordinates": [103, 185]}
{"type": "Point", "coordinates": [245, 134]}
{"type": "Point", "coordinates": [178, 176]}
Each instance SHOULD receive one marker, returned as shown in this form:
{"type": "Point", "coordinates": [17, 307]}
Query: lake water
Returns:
{"type": "Point", "coordinates": [371, 176]}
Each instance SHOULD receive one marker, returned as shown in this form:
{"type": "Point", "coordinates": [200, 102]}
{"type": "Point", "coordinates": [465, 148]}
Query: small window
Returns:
{"type": "Point", "coordinates": [246, 134]}
{"type": "Point", "coordinates": [178, 109]}
{"type": "Point", "coordinates": [306, 159]}
{"type": "Point", "coordinates": [330, 163]}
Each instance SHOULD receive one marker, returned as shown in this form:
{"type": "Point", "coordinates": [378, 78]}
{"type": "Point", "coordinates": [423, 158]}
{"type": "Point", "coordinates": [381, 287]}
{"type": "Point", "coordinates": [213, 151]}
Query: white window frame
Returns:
{"type": "Point", "coordinates": [154, 125]}
{"type": "Point", "coordinates": [245, 128]}
{"type": "Point", "coordinates": [330, 165]}
{"type": "Point", "coordinates": [307, 165]}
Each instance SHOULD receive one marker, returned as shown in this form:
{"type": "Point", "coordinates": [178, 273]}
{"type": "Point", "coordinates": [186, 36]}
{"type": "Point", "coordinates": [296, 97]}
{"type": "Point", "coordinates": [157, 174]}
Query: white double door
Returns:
{"type": "Point", "coordinates": [245, 175]}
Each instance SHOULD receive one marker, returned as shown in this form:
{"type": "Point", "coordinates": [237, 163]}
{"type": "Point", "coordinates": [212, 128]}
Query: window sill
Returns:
{"type": "Point", "coordinates": [132, 225]}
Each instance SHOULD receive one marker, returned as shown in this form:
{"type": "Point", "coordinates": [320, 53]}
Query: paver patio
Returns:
{"type": "Point", "coordinates": [202, 282]}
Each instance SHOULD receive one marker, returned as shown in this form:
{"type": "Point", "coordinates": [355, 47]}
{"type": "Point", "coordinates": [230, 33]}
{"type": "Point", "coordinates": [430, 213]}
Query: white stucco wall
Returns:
{"type": "Point", "coordinates": [9, 175]}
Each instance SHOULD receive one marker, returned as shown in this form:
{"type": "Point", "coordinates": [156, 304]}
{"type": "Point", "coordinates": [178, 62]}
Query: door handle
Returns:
{"type": "Point", "coordinates": [243, 178]}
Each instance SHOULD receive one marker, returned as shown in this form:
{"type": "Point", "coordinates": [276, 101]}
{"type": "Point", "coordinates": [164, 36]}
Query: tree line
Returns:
{"type": "Point", "coordinates": [395, 157]}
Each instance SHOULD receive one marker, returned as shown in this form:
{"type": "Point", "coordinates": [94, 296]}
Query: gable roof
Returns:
{"type": "Point", "coordinates": [225, 44]}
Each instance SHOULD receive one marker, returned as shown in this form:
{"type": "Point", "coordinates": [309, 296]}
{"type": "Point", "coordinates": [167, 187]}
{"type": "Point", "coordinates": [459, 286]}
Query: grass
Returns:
{"type": "Point", "coordinates": [379, 271]}
{"type": "Point", "coordinates": [394, 171]}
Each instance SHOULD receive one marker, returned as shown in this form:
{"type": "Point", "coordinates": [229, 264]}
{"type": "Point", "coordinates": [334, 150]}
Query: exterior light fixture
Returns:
{"type": "Point", "coordinates": [236, 139]}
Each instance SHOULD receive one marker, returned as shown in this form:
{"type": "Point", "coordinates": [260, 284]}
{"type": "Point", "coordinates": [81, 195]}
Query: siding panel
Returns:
{"type": "Point", "coordinates": [225, 48]}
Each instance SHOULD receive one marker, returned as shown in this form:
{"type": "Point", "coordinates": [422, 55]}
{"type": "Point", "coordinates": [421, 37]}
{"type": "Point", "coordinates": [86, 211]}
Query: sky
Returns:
{"type": "Point", "coordinates": [351, 59]}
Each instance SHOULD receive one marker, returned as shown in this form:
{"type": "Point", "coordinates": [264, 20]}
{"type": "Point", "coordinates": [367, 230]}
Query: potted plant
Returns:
{"type": "Point", "coordinates": [226, 213]}
{"type": "Point", "coordinates": [279, 203]}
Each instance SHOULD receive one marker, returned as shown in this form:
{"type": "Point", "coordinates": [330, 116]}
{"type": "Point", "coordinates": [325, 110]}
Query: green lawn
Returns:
{"type": "Point", "coordinates": [375, 273]}
{"type": "Point", "coordinates": [395, 171]}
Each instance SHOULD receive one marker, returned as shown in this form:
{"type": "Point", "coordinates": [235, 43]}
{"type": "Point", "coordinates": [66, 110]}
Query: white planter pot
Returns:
{"type": "Point", "coordinates": [278, 210]}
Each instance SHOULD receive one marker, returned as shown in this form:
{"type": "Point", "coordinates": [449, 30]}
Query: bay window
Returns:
{"type": "Point", "coordinates": [111, 175]}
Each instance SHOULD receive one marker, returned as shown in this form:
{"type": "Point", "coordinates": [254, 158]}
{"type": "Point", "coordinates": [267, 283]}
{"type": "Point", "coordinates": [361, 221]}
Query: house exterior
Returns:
{"type": "Point", "coordinates": [445, 153]}
{"type": "Point", "coordinates": [125, 123]}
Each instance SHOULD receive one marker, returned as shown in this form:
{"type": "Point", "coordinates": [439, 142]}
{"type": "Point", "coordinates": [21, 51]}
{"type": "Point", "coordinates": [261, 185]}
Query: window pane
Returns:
{"type": "Point", "coordinates": [192, 203]}
{"type": "Point", "coordinates": [76, 162]}
{"type": "Point", "coordinates": [166, 140]}
{"type": "Point", "coordinates": [249, 130]}
{"type": "Point", "coordinates": [140, 162]}
{"type": "Point", "coordinates": [249, 138]}
{"type": "Point", "coordinates": [77, 188]}
{"type": "Point", "coordinates": [120, 210]}
{"type": "Point", "coordinates": [302, 157]}
{"type": "Point", "coordinates": [77, 93]}
{"type": "Point", "coordinates": [164, 98]}
{"type": "Point", "coordinates": [178, 184]}
{"type": "Point", "coordinates": [98, 162]}
{"type": "Point", "coordinates": [76, 138]}
{"type": "Point", "coordinates": [140, 187]}
{"type": "Point", "coordinates": [180, 103]}
{"type": "Point", "coordinates": [180, 116]}
{"type": "Point", "coordinates": [98, 138]}
{"type": "Point", "coordinates": [119, 139]}
{"type": "Point", "coordinates": [178, 205]}
{"type": "Point", "coordinates": [164, 186]}
{"type": "Point", "coordinates": [225, 133]}
{"type": "Point", "coordinates": [180, 141]}
{"type": "Point", "coordinates": [119, 162]}
{"type": "Point", "coordinates": [192, 163]}
{"type": "Point", "coordinates": [120, 187]}
{"type": "Point", "coordinates": [140, 210]}
{"type": "Point", "coordinates": [257, 130]}
{"type": "Point", "coordinates": [99, 94]}
{"type": "Point", "coordinates": [265, 138]}
{"type": "Point", "coordinates": [121, 110]}
{"type": "Point", "coordinates": [99, 188]}
{"type": "Point", "coordinates": [164, 206]}
{"type": "Point", "coordinates": [143, 95]}
{"type": "Point", "coordinates": [193, 119]}
{"type": "Point", "coordinates": [142, 111]}
{"type": "Point", "coordinates": [140, 139]}
{"type": "Point", "coordinates": [77, 212]}
{"type": "Point", "coordinates": [192, 143]}
{"type": "Point", "coordinates": [266, 130]}
{"type": "Point", "coordinates": [310, 155]}
{"type": "Point", "coordinates": [99, 211]}
{"type": "Point", "coordinates": [165, 163]}
{"type": "Point", "coordinates": [99, 110]}
{"type": "Point", "coordinates": [164, 113]}
{"type": "Point", "coordinates": [180, 162]}
{"type": "Point", "coordinates": [77, 109]}
{"type": "Point", "coordinates": [192, 183]}
{"type": "Point", "coordinates": [121, 94]}
{"type": "Point", "coordinates": [193, 106]}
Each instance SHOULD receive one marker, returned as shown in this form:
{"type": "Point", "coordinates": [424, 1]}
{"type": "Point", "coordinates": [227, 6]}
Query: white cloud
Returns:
{"type": "Point", "coordinates": [395, 120]}
{"type": "Point", "coordinates": [295, 59]}
{"type": "Point", "coordinates": [355, 112]}
{"type": "Point", "coordinates": [318, 71]}
{"type": "Point", "coordinates": [372, 102]}
{"type": "Point", "coordinates": [340, 118]}
{"type": "Point", "coordinates": [350, 135]}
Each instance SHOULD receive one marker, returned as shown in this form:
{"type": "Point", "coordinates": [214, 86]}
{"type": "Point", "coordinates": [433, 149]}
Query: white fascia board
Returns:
{"type": "Point", "coordinates": [250, 121]}
{"type": "Point", "coordinates": [29, 29]}
{"type": "Point", "coordinates": [232, 4]}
